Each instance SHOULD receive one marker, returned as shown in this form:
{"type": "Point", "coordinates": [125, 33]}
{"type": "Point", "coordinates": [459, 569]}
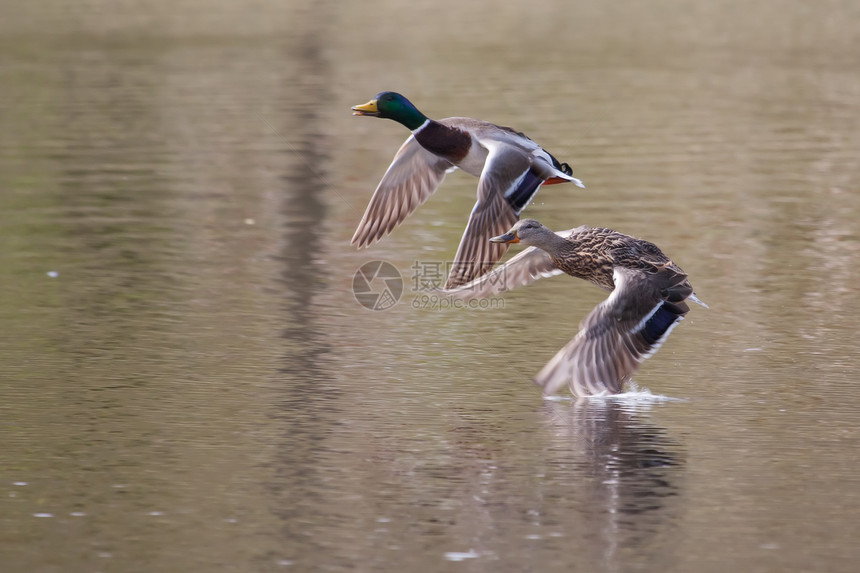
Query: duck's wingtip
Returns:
{"type": "Point", "coordinates": [548, 391]}
{"type": "Point", "coordinates": [362, 239]}
{"type": "Point", "coordinates": [578, 183]}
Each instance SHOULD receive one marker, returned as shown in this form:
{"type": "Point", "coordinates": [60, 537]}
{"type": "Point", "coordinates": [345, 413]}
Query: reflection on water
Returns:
{"type": "Point", "coordinates": [628, 472]}
{"type": "Point", "coordinates": [189, 385]}
{"type": "Point", "coordinates": [309, 404]}
{"type": "Point", "coordinates": [626, 453]}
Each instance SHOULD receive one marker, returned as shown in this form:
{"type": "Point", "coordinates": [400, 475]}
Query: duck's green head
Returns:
{"type": "Point", "coordinates": [394, 106]}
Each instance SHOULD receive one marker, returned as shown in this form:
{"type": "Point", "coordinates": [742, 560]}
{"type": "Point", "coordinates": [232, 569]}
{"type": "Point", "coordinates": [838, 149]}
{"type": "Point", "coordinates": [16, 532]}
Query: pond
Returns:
{"type": "Point", "coordinates": [190, 384]}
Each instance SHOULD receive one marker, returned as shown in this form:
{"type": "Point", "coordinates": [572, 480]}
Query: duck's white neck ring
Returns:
{"type": "Point", "coordinates": [420, 127]}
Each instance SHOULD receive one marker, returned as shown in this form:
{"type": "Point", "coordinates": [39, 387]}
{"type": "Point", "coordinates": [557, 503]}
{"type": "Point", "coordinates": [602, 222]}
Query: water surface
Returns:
{"type": "Point", "coordinates": [188, 383]}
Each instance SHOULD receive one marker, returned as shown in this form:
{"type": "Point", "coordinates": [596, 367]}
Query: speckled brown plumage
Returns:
{"type": "Point", "coordinates": [593, 253]}
{"type": "Point", "coordinates": [647, 301]}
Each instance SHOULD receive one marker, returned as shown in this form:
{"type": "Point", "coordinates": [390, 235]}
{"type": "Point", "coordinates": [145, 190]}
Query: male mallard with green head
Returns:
{"type": "Point", "coordinates": [511, 167]}
{"type": "Point", "coordinates": [646, 302]}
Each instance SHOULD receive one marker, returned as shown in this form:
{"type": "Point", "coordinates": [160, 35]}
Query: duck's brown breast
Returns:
{"type": "Point", "coordinates": [449, 142]}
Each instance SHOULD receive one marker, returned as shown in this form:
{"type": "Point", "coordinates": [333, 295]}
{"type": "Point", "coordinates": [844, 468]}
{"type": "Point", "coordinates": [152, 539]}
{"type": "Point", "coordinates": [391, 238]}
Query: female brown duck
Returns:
{"type": "Point", "coordinates": [647, 300]}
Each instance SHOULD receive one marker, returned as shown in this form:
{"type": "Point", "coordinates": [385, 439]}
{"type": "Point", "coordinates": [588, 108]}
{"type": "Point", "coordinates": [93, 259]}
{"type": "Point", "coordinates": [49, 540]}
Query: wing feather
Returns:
{"type": "Point", "coordinates": [492, 215]}
{"type": "Point", "coordinates": [618, 334]}
{"type": "Point", "coordinates": [530, 265]}
{"type": "Point", "coordinates": [412, 177]}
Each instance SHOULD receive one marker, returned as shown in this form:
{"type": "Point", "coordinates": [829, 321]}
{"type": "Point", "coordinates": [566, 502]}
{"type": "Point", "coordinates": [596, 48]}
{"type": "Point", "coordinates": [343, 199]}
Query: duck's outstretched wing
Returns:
{"type": "Point", "coordinates": [525, 268]}
{"type": "Point", "coordinates": [508, 182]}
{"type": "Point", "coordinates": [491, 216]}
{"type": "Point", "coordinates": [412, 177]}
{"type": "Point", "coordinates": [619, 333]}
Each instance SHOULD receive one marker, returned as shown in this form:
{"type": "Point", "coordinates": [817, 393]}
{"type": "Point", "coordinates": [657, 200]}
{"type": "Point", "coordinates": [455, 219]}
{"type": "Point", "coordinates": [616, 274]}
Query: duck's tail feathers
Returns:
{"type": "Point", "coordinates": [695, 299]}
{"type": "Point", "coordinates": [564, 173]}
{"type": "Point", "coordinates": [565, 179]}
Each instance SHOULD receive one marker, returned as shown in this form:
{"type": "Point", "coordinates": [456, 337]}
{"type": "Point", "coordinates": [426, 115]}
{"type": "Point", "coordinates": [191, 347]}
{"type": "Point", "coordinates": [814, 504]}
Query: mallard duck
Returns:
{"type": "Point", "coordinates": [510, 166]}
{"type": "Point", "coordinates": [646, 302]}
